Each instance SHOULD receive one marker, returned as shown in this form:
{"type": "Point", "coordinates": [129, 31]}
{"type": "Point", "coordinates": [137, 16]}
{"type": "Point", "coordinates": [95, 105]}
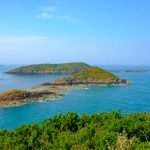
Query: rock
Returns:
{"type": "Point", "coordinates": [19, 97]}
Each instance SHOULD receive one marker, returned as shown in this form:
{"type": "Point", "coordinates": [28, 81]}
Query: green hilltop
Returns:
{"type": "Point", "coordinates": [91, 75]}
{"type": "Point", "coordinates": [64, 68]}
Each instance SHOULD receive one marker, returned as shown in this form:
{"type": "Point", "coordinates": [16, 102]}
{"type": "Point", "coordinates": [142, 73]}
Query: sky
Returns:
{"type": "Point", "coordinates": [103, 32]}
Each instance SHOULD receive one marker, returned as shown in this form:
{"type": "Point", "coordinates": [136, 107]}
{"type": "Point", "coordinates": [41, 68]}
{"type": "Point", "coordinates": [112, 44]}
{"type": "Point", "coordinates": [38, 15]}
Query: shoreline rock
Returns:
{"type": "Point", "coordinates": [20, 97]}
{"type": "Point", "coordinates": [87, 83]}
{"type": "Point", "coordinates": [45, 92]}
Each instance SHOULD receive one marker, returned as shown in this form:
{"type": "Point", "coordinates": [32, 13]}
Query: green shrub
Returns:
{"type": "Point", "coordinates": [99, 131]}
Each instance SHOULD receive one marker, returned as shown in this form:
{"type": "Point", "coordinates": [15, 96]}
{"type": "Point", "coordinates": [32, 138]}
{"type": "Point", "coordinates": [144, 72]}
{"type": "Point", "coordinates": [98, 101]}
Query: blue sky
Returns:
{"type": "Point", "coordinates": [104, 32]}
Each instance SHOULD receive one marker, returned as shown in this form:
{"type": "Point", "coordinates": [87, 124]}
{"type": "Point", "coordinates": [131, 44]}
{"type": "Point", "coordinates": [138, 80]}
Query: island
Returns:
{"type": "Point", "coordinates": [18, 97]}
{"type": "Point", "coordinates": [64, 68]}
{"type": "Point", "coordinates": [128, 71]}
{"type": "Point", "coordinates": [92, 76]}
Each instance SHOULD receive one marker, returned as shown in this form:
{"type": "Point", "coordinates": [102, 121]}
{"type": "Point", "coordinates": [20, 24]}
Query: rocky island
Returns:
{"type": "Point", "coordinates": [91, 76]}
{"type": "Point", "coordinates": [128, 71]}
{"type": "Point", "coordinates": [18, 97]}
{"type": "Point", "coordinates": [64, 68]}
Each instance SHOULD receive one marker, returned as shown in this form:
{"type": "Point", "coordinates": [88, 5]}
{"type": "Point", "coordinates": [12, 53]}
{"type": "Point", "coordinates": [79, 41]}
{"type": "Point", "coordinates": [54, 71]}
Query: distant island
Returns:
{"type": "Point", "coordinates": [132, 71]}
{"type": "Point", "coordinates": [64, 68]}
{"type": "Point", "coordinates": [91, 76]}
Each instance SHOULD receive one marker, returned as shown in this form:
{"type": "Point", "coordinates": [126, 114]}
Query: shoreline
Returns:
{"type": "Point", "coordinates": [22, 97]}
{"type": "Point", "coordinates": [30, 102]}
{"type": "Point", "coordinates": [51, 92]}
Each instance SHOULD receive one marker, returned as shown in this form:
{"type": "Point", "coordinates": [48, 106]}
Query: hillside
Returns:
{"type": "Point", "coordinates": [92, 75]}
{"type": "Point", "coordinates": [99, 131]}
{"type": "Point", "coordinates": [65, 68]}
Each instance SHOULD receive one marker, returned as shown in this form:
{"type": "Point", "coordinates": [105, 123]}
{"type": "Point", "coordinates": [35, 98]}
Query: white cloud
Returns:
{"type": "Point", "coordinates": [51, 9]}
{"type": "Point", "coordinates": [47, 12]}
{"type": "Point", "coordinates": [45, 16]}
{"type": "Point", "coordinates": [52, 13]}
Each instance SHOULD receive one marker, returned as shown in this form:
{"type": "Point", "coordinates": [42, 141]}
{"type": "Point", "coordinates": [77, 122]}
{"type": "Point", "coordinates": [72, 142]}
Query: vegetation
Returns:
{"type": "Point", "coordinates": [52, 68]}
{"type": "Point", "coordinates": [95, 73]}
{"type": "Point", "coordinates": [100, 131]}
{"type": "Point", "coordinates": [46, 91]}
{"type": "Point", "coordinates": [18, 97]}
{"type": "Point", "coordinates": [14, 93]}
{"type": "Point", "coordinates": [90, 75]}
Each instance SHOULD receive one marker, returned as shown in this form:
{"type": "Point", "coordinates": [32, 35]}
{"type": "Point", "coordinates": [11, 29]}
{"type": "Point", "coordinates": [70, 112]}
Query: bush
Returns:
{"type": "Point", "coordinates": [100, 131]}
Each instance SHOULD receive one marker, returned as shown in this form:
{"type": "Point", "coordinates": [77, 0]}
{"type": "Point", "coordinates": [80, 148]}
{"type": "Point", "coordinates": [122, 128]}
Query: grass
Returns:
{"type": "Point", "coordinates": [90, 74]}
{"type": "Point", "coordinates": [51, 68]}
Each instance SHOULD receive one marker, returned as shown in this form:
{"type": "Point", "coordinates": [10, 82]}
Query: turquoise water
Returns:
{"type": "Point", "coordinates": [12, 81]}
{"type": "Point", "coordinates": [129, 99]}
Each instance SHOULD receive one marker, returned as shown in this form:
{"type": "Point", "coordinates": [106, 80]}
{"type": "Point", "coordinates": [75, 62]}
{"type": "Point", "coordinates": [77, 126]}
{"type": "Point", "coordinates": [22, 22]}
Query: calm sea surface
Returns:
{"type": "Point", "coordinates": [128, 99]}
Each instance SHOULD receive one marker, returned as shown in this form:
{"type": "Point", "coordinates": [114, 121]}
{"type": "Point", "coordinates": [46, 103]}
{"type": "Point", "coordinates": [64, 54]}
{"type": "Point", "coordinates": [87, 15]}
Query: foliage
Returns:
{"type": "Point", "coordinates": [51, 68]}
{"type": "Point", "coordinates": [14, 94]}
{"type": "Point", "coordinates": [91, 74]}
{"type": "Point", "coordinates": [99, 131]}
{"type": "Point", "coordinates": [95, 73]}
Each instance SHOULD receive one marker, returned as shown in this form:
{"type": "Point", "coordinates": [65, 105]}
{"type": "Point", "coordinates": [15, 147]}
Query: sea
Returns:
{"type": "Point", "coordinates": [134, 98]}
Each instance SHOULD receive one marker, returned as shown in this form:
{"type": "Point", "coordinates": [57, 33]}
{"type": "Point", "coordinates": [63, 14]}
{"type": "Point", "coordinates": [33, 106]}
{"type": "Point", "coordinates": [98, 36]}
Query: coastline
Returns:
{"type": "Point", "coordinates": [92, 76]}
{"type": "Point", "coordinates": [52, 92]}
{"type": "Point", "coordinates": [21, 97]}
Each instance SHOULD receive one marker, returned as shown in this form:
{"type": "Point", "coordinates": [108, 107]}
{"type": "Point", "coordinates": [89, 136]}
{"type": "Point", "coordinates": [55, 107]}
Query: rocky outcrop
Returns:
{"type": "Point", "coordinates": [96, 83]}
{"type": "Point", "coordinates": [18, 97]}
